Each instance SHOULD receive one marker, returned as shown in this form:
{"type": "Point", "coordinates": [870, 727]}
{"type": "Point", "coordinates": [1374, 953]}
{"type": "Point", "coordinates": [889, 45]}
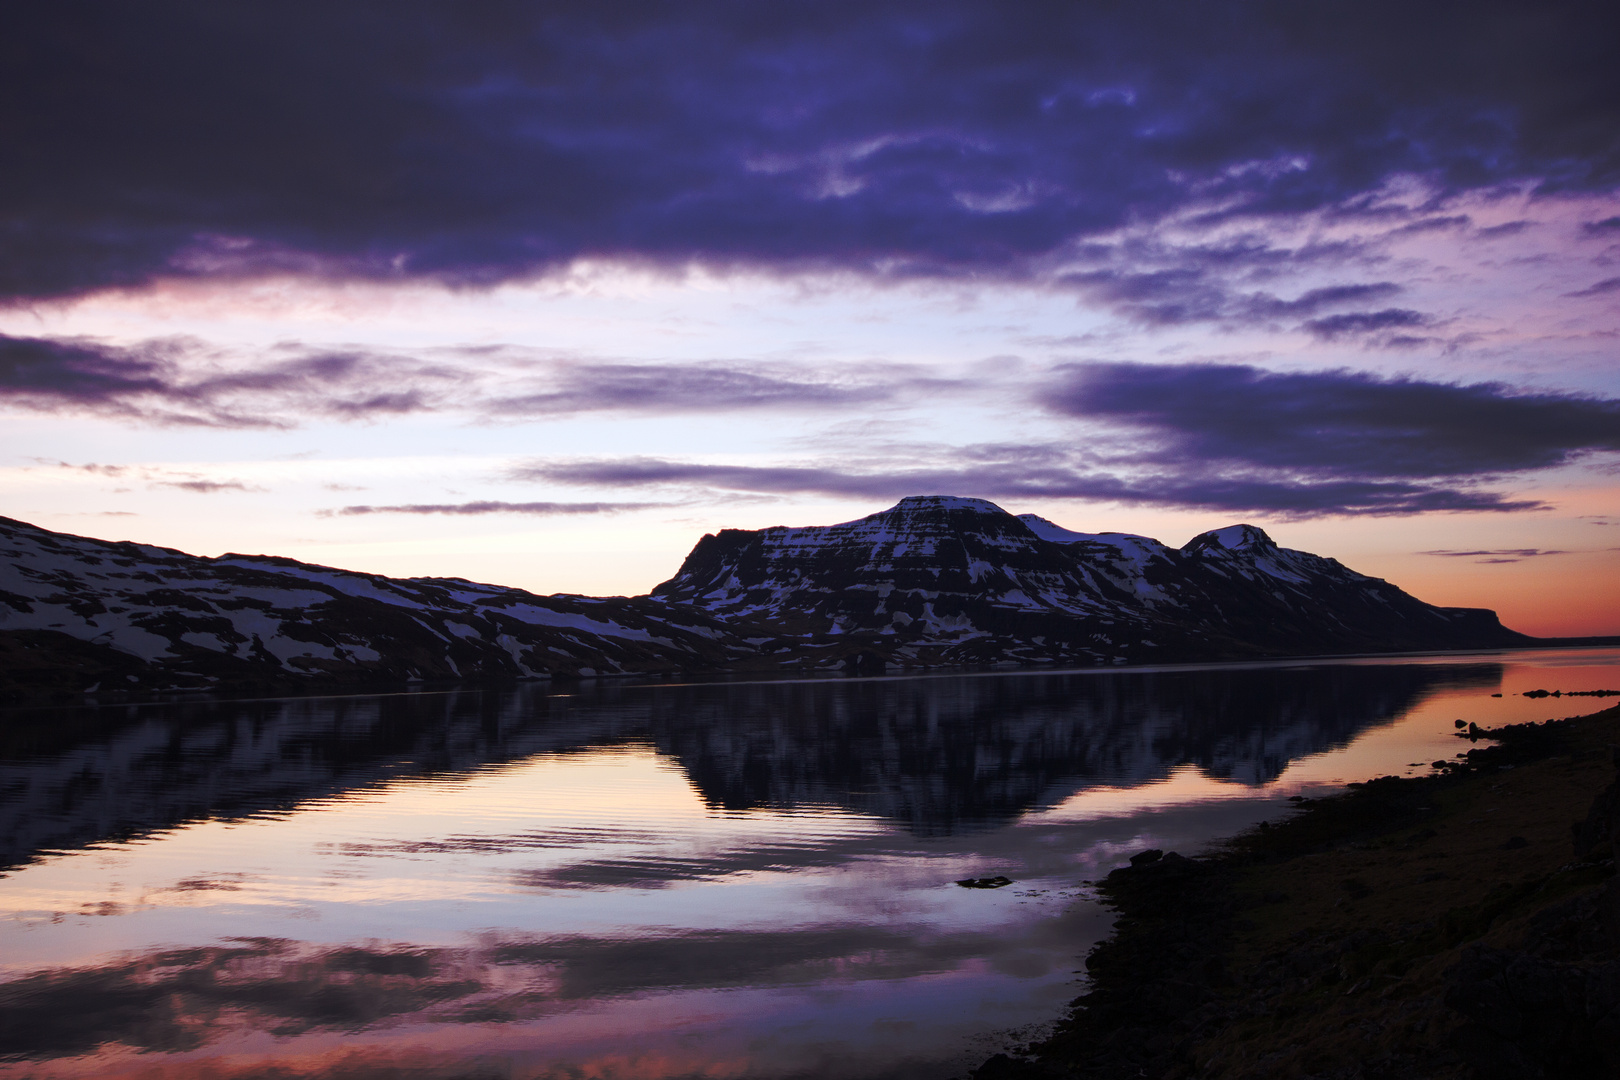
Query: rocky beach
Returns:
{"type": "Point", "coordinates": [1460, 924]}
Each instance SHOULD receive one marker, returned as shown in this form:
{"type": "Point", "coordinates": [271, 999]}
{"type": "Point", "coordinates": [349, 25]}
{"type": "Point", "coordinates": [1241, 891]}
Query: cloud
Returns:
{"type": "Point", "coordinates": [1607, 285]}
{"type": "Point", "coordinates": [156, 477]}
{"type": "Point", "coordinates": [1156, 283]}
{"type": "Point", "coordinates": [1044, 472]}
{"type": "Point", "coordinates": [184, 999]}
{"type": "Point", "coordinates": [571, 388]}
{"type": "Point", "coordinates": [89, 467]}
{"type": "Point", "coordinates": [478, 144]}
{"type": "Point", "coordinates": [1229, 437]}
{"type": "Point", "coordinates": [207, 487]}
{"type": "Point", "coordinates": [55, 371]}
{"type": "Point", "coordinates": [184, 382]}
{"type": "Point", "coordinates": [1353, 323]}
{"type": "Point", "coordinates": [1499, 555]}
{"type": "Point", "coordinates": [1334, 423]}
{"type": "Point", "coordinates": [1314, 300]}
{"type": "Point", "coordinates": [488, 507]}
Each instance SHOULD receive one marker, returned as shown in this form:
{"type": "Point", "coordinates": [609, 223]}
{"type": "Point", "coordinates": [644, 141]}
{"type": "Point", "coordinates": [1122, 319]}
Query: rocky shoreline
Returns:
{"type": "Point", "coordinates": [1461, 924]}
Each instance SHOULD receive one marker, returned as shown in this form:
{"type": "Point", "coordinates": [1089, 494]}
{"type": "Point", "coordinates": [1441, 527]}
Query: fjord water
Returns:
{"type": "Point", "coordinates": [647, 880]}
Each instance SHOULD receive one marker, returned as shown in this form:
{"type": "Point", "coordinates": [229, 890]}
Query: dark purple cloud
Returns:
{"type": "Point", "coordinates": [487, 507]}
{"type": "Point", "coordinates": [1036, 472]}
{"type": "Point", "coordinates": [1337, 424]}
{"type": "Point", "coordinates": [1358, 323]}
{"type": "Point", "coordinates": [45, 370]}
{"type": "Point", "coordinates": [1191, 288]}
{"type": "Point", "coordinates": [1314, 300]}
{"type": "Point", "coordinates": [476, 142]}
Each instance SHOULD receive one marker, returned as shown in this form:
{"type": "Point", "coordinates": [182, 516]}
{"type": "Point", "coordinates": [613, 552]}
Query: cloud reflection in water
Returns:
{"type": "Point", "coordinates": [800, 905]}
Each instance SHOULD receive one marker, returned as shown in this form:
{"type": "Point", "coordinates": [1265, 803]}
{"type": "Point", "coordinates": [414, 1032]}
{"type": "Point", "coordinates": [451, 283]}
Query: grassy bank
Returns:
{"type": "Point", "coordinates": [1461, 924]}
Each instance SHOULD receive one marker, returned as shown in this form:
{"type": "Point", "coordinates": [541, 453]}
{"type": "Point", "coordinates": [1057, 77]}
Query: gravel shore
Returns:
{"type": "Point", "coordinates": [1461, 924]}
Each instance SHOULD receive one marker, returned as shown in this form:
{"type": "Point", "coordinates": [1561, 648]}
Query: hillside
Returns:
{"type": "Point", "coordinates": [934, 581]}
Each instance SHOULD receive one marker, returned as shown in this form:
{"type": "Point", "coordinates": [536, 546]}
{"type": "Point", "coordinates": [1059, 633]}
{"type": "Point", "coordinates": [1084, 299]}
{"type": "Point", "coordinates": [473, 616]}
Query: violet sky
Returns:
{"type": "Point", "coordinates": [539, 293]}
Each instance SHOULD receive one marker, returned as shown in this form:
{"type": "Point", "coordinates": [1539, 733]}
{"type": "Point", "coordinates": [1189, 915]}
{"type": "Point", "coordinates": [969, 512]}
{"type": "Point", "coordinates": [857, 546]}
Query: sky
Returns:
{"type": "Point", "coordinates": [537, 294]}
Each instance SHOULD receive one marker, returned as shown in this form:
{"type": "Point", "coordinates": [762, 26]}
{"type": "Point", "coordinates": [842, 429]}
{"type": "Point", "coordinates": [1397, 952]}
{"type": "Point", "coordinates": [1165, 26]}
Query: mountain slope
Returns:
{"type": "Point", "coordinates": [75, 612]}
{"type": "Point", "coordinates": [937, 579]}
{"type": "Point", "coordinates": [933, 581]}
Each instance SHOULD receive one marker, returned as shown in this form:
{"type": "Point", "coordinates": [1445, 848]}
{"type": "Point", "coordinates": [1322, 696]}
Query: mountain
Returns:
{"type": "Point", "coordinates": [77, 613]}
{"type": "Point", "coordinates": [943, 580]}
{"type": "Point", "coordinates": [933, 581]}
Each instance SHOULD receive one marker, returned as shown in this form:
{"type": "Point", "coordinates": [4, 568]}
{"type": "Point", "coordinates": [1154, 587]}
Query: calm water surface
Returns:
{"type": "Point", "coordinates": [646, 881]}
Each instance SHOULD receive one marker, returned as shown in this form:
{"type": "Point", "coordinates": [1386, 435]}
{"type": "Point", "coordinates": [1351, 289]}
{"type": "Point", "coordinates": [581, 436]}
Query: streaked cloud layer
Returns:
{"type": "Point", "coordinates": [723, 264]}
{"type": "Point", "coordinates": [475, 143]}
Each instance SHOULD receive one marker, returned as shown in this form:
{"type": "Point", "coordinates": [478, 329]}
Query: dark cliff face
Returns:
{"type": "Point", "coordinates": [937, 579]}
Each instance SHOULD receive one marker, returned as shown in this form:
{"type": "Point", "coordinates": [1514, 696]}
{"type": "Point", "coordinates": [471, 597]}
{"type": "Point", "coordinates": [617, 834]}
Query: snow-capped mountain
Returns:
{"type": "Point", "coordinates": [939, 580]}
{"type": "Point", "coordinates": [932, 581]}
{"type": "Point", "coordinates": [80, 613]}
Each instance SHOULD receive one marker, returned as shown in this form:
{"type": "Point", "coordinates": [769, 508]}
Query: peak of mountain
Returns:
{"type": "Point", "coordinates": [922, 504]}
{"type": "Point", "coordinates": [917, 518]}
{"type": "Point", "coordinates": [1232, 538]}
{"type": "Point", "coordinates": [934, 580]}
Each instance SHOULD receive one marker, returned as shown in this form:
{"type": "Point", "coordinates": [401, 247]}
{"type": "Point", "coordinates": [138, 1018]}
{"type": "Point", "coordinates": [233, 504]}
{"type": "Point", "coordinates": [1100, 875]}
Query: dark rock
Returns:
{"type": "Point", "coordinates": [996, 882]}
{"type": "Point", "coordinates": [865, 663]}
{"type": "Point", "coordinates": [1533, 1017]}
{"type": "Point", "coordinates": [1006, 1067]}
{"type": "Point", "coordinates": [1602, 821]}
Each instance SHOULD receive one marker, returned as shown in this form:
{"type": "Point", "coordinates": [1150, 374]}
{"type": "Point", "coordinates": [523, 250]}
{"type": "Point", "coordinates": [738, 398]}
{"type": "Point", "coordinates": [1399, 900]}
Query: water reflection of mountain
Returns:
{"type": "Point", "coordinates": [939, 755]}
{"type": "Point", "coordinates": [933, 754]}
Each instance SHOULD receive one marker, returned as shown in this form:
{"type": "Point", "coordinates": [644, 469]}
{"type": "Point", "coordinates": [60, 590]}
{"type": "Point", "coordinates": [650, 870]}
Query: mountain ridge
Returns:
{"type": "Point", "coordinates": [964, 570]}
{"type": "Point", "coordinates": [932, 582]}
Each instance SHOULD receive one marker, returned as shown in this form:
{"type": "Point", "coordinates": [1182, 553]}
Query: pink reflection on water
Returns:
{"type": "Point", "coordinates": [592, 915]}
